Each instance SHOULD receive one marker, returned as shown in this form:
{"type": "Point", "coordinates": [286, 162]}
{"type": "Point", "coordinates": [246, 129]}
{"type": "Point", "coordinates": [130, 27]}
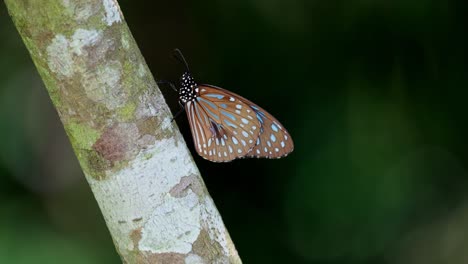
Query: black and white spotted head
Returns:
{"type": "Point", "coordinates": [188, 88]}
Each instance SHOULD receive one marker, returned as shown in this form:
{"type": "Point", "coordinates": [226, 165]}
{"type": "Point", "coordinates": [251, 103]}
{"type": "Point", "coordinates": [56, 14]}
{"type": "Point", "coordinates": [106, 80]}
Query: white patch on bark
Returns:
{"type": "Point", "coordinates": [61, 51]}
{"type": "Point", "coordinates": [112, 12]}
{"type": "Point", "coordinates": [141, 70]}
{"type": "Point", "coordinates": [149, 106]}
{"type": "Point", "coordinates": [214, 225]}
{"type": "Point", "coordinates": [104, 86]}
{"type": "Point", "coordinates": [83, 38]}
{"type": "Point", "coordinates": [140, 191]}
{"type": "Point", "coordinates": [173, 226]}
{"type": "Point", "coordinates": [59, 57]}
{"type": "Point", "coordinates": [194, 259]}
{"type": "Point", "coordinates": [79, 10]}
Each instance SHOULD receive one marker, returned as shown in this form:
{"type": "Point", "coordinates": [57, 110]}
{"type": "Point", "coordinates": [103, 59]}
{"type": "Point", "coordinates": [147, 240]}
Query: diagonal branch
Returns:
{"type": "Point", "coordinates": [149, 190]}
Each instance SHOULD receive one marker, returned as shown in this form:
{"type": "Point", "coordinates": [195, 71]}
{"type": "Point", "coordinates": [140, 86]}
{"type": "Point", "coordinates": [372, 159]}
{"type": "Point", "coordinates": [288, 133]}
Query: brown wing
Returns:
{"type": "Point", "coordinates": [223, 127]}
{"type": "Point", "coordinates": [274, 140]}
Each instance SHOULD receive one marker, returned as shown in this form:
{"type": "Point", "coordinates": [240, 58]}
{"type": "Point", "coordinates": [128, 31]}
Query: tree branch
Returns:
{"type": "Point", "coordinates": [149, 190]}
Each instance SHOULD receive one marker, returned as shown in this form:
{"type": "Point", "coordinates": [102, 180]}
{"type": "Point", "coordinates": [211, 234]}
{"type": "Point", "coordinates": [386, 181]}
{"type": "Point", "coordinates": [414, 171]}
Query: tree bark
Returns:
{"type": "Point", "coordinates": [137, 164]}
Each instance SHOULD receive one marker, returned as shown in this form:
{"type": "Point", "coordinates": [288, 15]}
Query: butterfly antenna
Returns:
{"type": "Point", "coordinates": [180, 57]}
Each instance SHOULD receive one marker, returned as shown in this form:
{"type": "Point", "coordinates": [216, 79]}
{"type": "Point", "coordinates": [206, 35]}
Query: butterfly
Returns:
{"type": "Point", "coordinates": [226, 126]}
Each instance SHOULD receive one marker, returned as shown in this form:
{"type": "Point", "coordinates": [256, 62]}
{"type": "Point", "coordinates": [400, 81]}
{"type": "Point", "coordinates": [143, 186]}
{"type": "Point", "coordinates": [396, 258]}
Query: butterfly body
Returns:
{"type": "Point", "coordinates": [188, 90]}
{"type": "Point", "coordinates": [226, 126]}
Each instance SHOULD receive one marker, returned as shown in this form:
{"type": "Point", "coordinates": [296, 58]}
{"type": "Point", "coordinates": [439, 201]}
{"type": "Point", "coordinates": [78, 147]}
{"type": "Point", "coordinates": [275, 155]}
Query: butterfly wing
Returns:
{"type": "Point", "coordinates": [223, 127]}
{"type": "Point", "coordinates": [274, 140]}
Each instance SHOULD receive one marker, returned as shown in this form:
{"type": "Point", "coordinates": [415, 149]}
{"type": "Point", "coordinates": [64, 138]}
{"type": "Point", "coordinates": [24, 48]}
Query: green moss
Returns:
{"type": "Point", "coordinates": [148, 156]}
{"type": "Point", "coordinates": [47, 15]}
{"type": "Point", "coordinates": [130, 80]}
{"type": "Point", "coordinates": [50, 16]}
{"type": "Point", "coordinates": [125, 39]}
{"type": "Point", "coordinates": [81, 135]}
{"type": "Point", "coordinates": [126, 113]}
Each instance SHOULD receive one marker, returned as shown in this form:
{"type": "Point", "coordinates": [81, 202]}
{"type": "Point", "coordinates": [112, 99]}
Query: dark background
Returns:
{"type": "Point", "coordinates": [372, 92]}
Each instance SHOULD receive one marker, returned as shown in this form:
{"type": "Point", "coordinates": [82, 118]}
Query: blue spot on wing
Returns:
{"type": "Point", "coordinates": [218, 96]}
{"type": "Point", "coordinates": [207, 102]}
{"type": "Point", "coordinates": [228, 115]}
{"type": "Point", "coordinates": [229, 123]}
{"type": "Point", "coordinates": [207, 109]}
{"type": "Point", "coordinates": [274, 127]}
{"type": "Point", "coordinates": [260, 115]}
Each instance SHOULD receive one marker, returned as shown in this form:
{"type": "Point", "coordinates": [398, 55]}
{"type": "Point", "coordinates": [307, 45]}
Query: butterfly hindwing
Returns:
{"type": "Point", "coordinates": [223, 126]}
{"type": "Point", "coordinates": [273, 141]}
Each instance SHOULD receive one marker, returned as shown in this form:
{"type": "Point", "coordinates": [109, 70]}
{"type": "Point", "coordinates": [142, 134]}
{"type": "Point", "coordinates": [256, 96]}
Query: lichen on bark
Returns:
{"type": "Point", "coordinates": [132, 155]}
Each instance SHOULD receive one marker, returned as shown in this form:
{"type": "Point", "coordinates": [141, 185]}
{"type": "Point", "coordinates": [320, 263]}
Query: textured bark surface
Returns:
{"type": "Point", "coordinates": [149, 190]}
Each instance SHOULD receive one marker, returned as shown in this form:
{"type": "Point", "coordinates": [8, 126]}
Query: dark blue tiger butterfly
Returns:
{"type": "Point", "coordinates": [226, 126]}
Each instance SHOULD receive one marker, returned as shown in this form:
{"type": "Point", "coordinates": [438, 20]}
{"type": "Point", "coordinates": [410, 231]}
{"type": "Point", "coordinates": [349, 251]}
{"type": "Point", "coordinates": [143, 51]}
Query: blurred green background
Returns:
{"type": "Point", "coordinates": [372, 92]}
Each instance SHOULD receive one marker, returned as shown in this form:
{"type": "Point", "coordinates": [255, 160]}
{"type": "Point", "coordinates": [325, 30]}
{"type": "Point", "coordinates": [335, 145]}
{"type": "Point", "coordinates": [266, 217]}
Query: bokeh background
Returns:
{"type": "Point", "coordinates": [373, 93]}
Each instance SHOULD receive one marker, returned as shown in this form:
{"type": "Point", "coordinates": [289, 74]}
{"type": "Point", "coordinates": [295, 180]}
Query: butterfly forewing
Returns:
{"type": "Point", "coordinates": [223, 126]}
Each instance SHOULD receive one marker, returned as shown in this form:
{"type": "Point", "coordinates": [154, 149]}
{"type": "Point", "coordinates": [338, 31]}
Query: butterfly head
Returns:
{"type": "Point", "coordinates": [189, 88]}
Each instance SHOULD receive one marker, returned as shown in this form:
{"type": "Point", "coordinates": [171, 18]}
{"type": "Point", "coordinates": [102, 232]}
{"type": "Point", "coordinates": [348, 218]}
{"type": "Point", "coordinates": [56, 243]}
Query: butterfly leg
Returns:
{"type": "Point", "coordinates": [178, 113]}
{"type": "Point", "coordinates": [168, 83]}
